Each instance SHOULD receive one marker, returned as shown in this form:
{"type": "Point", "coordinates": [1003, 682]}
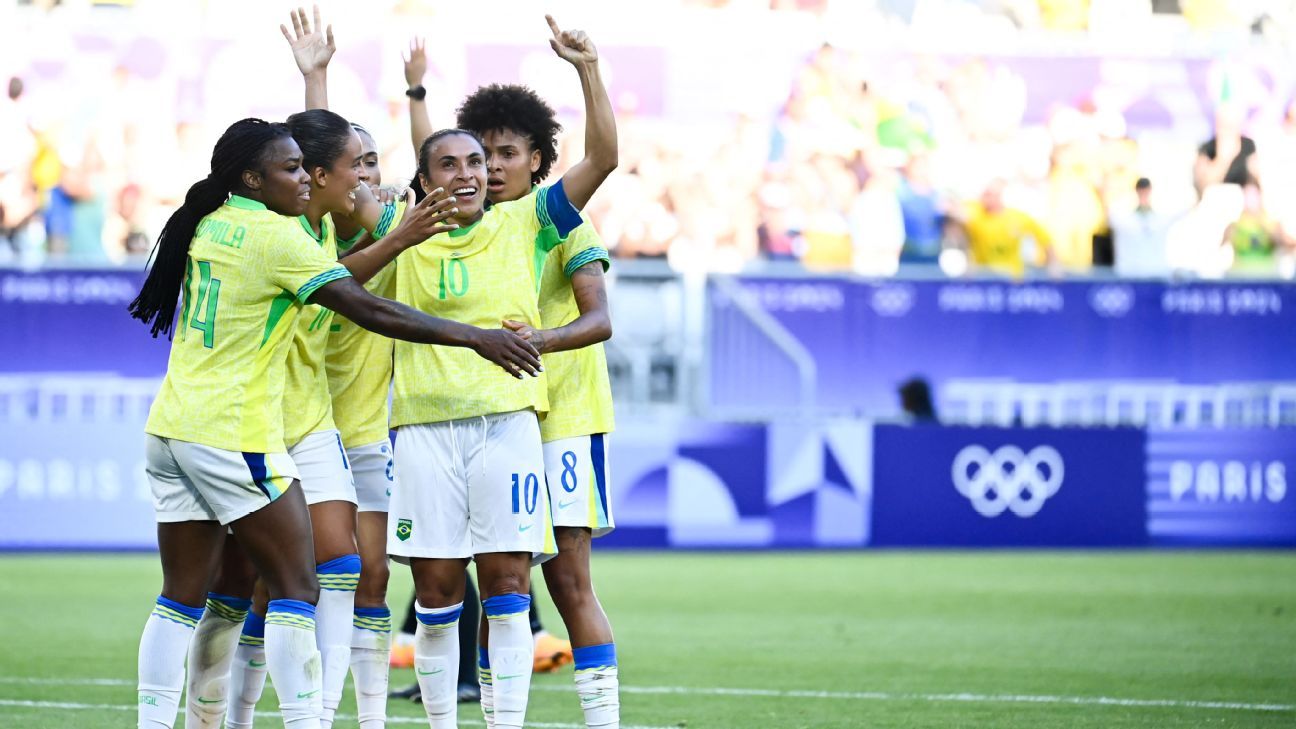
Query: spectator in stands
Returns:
{"type": "Point", "coordinates": [1139, 237]}
{"type": "Point", "coordinates": [1256, 236]}
{"type": "Point", "coordinates": [876, 222]}
{"type": "Point", "coordinates": [922, 210]}
{"type": "Point", "coordinates": [1224, 157]}
{"type": "Point", "coordinates": [1001, 239]}
{"type": "Point", "coordinates": [18, 200]}
{"type": "Point", "coordinates": [916, 400]}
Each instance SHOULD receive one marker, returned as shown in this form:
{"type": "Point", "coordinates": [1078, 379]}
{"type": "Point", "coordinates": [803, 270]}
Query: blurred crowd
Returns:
{"type": "Point", "coordinates": [870, 165]}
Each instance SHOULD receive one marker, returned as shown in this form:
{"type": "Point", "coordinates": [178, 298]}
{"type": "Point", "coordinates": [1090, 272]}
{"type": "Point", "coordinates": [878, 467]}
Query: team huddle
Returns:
{"type": "Point", "coordinates": [317, 312]}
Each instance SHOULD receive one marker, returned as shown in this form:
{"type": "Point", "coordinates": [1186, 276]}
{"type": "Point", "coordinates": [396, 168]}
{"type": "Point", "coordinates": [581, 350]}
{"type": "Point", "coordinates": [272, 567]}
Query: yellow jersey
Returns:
{"type": "Point", "coordinates": [247, 279]}
{"type": "Point", "coordinates": [479, 275]}
{"type": "Point", "coordinates": [359, 362]}
{"type": "Point", "coordinates": [307, 405]}
{"type": "Point", "coordinates": [996, 239]}
{"type": "Point", "coordinates": [580, 394]}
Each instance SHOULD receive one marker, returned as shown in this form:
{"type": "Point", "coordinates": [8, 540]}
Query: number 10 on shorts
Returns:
{"type": "Point", "coordinates": [526, 492]}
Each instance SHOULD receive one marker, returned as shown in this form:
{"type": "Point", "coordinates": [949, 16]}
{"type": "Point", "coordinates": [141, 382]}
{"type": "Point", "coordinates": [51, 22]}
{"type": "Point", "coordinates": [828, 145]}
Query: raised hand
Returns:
{"type": "Point", "coordinates": [415, 63]}
{"type": "Point", "coordinates": [428, 217]}
{"type": "Point", "coordinates": [312, 48]}
{"type": "Point", "coordinates": [573, 46]}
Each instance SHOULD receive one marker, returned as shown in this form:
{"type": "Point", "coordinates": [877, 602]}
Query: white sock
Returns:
{"type": "Point", "coordinates": [338, 579]}
{"type": "Point", "coordinates": [370, 654]}
{"type": "Point", "coordinates": [247, 682]}
{"type": "Point", "coordinates": [294, 662]}
{"type": "Point", "coordinates": [597, 685]}
{"type": "Point", "coordinates": [247, 673]}
{"type": "Point", "coordinates": [162, 651]}
{"type": "Point", "coordinates": [512, 653]}
{"type": "Point", "coordinates": [436, 663]}
{"type": "Point", "coordinates": [210, 653]}
{"type": "Point", "coordinates": [487, 685]}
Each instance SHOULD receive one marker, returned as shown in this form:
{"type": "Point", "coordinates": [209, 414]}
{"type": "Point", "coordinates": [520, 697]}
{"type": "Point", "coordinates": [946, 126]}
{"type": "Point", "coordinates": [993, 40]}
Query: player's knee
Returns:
{"type": "Point", "coordinates": [505, 583]}
{"type": "Point", "coordinates": [303, 587]}
{"type": "Point", "coordinates": [569, 588]}
{"type": "Point", "coordinates": [436, 595]}
{"type": "Point", "coordinates": [374, 577]}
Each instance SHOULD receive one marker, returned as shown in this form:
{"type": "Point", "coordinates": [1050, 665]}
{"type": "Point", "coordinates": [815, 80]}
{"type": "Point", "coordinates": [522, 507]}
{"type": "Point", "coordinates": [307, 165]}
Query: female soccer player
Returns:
{"type": "Point", "coordinates": [215, 455]}
{"type": "Point", "coordinates": [471, 460]}
{"type": "Point", "coordinates": [519, 132]}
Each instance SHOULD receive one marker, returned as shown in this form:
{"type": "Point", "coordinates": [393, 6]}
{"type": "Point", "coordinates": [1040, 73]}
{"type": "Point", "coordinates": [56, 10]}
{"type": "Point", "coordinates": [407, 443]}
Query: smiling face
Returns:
{"type": "Point", "coordinates": [457, 164]}
{"type": "Point", "coordinates": [369, 157]}
{"type": "Point", "coordinates": [281, 184]}
{"type": "Point", "coordinates": [510, 163]}
{"type": "Point", "coordinates": [332, 187]}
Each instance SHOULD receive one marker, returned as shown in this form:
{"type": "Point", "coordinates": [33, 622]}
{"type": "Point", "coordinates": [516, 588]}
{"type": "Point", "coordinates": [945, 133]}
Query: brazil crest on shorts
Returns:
{"type": "Point", "coordinates": [404, 528]}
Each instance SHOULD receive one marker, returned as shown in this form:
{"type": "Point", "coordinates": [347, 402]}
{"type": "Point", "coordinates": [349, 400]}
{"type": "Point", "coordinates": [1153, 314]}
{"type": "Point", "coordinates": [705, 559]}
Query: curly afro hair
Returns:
{"type": "Point", "coordinates": [517, 109]}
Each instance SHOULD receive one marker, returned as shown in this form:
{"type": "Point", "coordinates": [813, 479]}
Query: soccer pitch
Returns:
{"type": "Point", "coordinates": [846, 639]}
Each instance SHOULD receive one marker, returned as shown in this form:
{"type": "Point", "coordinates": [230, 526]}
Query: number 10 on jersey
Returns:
{"type": "Point", "coordinates": [526, 492]}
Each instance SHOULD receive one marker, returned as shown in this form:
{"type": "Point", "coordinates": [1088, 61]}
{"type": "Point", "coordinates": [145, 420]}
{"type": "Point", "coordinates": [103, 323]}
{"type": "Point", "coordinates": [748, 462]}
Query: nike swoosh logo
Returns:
{"type": "Point", "coordinates": [429, 673]}
{"type": "Point", "coordinates": [505, 678]}
{"type": "Point", "coordinates": [565, 504]}
{"type": "Point", "coordinates": [307, 694]}
{"type": "Point", "coordinates": [256, 664]}
{"type": "Point", "coordinates": [524, 528]}
{"type": "Point", "coordinates": [201, 700]}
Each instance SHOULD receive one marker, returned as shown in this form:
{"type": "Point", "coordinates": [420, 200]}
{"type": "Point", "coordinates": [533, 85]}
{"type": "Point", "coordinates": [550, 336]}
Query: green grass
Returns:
{"type": "Point", "coordinates": [1183, 627]}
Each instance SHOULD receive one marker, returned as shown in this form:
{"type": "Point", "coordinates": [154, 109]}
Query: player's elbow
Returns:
{"type": "Point", "coordinates": [601, 327]}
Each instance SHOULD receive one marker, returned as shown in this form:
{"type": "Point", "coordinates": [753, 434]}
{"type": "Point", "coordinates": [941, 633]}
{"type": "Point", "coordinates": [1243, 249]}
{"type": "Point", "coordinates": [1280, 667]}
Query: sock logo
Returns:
{"type": "Point", "coordinates": [307, 694]}
{"type": "Point", "coordinates": [150, 700]}
{"type": "Point", "coordinates": [421, 672]}
{"type": "Point", "coordinates": [201, 700]}
{"type": "Point", "coordinates": [254, 663]}
{"type": "Point", "coordinates": [404, 528]}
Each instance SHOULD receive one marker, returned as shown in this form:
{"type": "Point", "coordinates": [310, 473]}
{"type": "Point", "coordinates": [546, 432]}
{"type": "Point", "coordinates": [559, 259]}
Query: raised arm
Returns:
{"type": "Point", "coordinates": [594, 324]}
{"type": "Point", "coordinates": [415, 70]}
{"type": "Point", "coordinates": [312, 48]}
{"type": "Point", "coordinates": [421, 222]}
{"type": "Point", "coordinates": [580, 182]}
{"type": "Point", "coordinates": [393, 319]}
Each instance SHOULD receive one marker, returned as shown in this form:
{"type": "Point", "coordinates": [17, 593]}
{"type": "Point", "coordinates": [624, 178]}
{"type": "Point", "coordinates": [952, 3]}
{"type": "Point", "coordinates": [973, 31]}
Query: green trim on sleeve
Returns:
{"type": "Point", "coordinates": [278, 307]}
{"type": "Point", "coordinates": [589, 255]}
{"type": "Point", "coordinates": [313, 285]}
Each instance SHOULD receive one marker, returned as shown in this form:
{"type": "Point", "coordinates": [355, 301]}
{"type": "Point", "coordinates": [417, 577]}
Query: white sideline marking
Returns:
{"type": "Point", "coordinates": [69, 706]}
{"type": "Point", "coordinates": [776, 693]}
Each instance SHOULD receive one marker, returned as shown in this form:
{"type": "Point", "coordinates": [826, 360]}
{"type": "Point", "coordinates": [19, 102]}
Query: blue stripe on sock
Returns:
{"type": "Point", "coordinates": [440, 618]}
{"type": "Point", "coordinates": [192, 612]}
{"type": "Point", "coordinates": [237, 603]}
{"type": "Point", "coordinates": [294, 607]}
{"type": "Point", "coordinates": [595, 656]}
{"type": "Point", "coordinates": [254, 625]}
{"type": "Point", "coordinates": [483, 658]}
{"type": "Point", "coordinates": [378, 612]}
{"type": "Point", "coordinates": [347, 564]}
{"type": "Point", "coordinates": [509, 604]}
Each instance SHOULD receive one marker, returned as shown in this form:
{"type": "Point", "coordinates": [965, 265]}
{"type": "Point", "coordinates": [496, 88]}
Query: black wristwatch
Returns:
{"type": "Point", "coordinates": [418, 93]}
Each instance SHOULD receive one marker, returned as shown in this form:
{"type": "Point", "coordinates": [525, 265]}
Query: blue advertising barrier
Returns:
{"type": "Point", "coordinates": [1211, 487]}
{"type": "Point", "coordinates": [1008, 487]}
{"type": "Point", "coordinates": [864, 338]}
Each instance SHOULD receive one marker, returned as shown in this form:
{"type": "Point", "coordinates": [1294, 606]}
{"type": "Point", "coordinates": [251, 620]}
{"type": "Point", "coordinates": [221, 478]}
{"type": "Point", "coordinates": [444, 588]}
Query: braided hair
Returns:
{"type": "Point", "coordinates": [425, 149]}
{"type": "Point", "coordinates": [517, 109]}
{"type": "Point", "coordinates": [242, 147]}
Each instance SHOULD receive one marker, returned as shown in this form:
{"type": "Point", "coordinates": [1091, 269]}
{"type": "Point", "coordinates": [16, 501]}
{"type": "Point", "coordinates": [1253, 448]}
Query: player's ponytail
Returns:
{"type": "Point", "coordinates": [240, 148]}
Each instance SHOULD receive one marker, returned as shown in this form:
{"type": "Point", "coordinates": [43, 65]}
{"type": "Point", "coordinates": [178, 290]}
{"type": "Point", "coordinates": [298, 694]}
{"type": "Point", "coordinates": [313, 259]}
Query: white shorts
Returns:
{"type": "Point", "coordinates": [372, 469]}
{"type": "Point", "coordinates": [192, 482]}
{"type": "Point", "coordinates": [471, 486]}
{"type": "Point", "coordinates": [324, 469]}
{"type": "Point", "coordinates": [576, 472]}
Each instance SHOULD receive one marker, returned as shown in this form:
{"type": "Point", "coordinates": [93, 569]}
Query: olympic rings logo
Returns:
{"type": "Point", "coordinates": [1008, 479]}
